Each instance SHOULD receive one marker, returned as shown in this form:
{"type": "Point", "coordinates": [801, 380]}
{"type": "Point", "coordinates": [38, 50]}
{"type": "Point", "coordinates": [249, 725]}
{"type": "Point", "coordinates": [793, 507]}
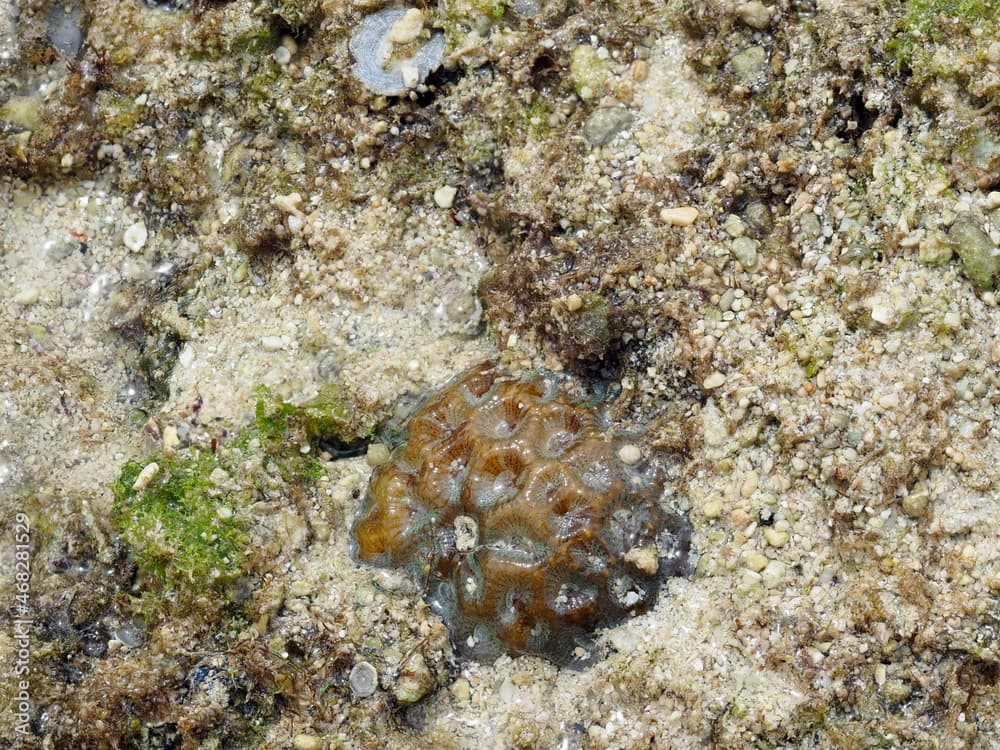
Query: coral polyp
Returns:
{"type": "Point", "coordinates": [512, 509]}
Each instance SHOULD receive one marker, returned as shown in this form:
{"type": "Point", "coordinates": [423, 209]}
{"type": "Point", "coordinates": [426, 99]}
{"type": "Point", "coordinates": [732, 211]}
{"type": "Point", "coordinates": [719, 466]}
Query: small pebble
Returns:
{"type": "Point", "coordinates": [218, 476]}
{"type": "Point", "coordinates": [977, 251]}
{"type": "Point", "coordinates": [605, 123]}
{"type": "Point", "coordinates": [282, 56]}
{"type": "Point", "coordinates": [754, 14]}
{"type": "Point", "coordinates": [734, 226]}
{"type": "Point", "coordinates": [289, 43]}
{"type": "Point", "coordinates": [414, 681]}
{"type": "Point", "coordinates": [170, 437]}
{"type": "Point", "coordinates": [129, 635]}
{"type": "Point", "coordinates": [712, 507]}
{"type": "Point", "coordinates": [290, 204]}
{"type": "Point", "coordinates": [749, 486]}
{"type": "Point", "coordinates": [915, 504]}
{"type": "Point", "coordinates": [750, 61]}
{"type": "Point", "coordinates": [776, 537]}
{"type": "Point", "coordinates": [444, 196]}
{"type": "Point", "coordinates": [307, 742]}
{"type": "Point", "coordinates": [755, 561]}
{"type": "Point", "coordinates": [135, 236]}
{"type": "Point", "coordinates": [272, 343]}
{"type": "Point", "coordinates": [773, 573]}
{"type": "Point", "coordinates": [145, 476]}
{"type": "Point", "coordinates": [27, 296]}
{"type": "Point", "coordinates": [889, 400]}
{"type": "Point", "coordinates": [377, 454]}
{"type": "Point", "coordinates": [410, 75]}
{"type": "Point", "coordinates": [777, 297]}
{"type": "Point", "coordinates": [461, 689]}
{"type": "Point", "coordinates": [363, 679]}
{"type": "Point", "coordinates": [507, 691]}
{"type": "Point", "coordinates": [186, 357]}
{"type": "Point", "coordinates": [681, 216]}
{"type": "Point", "coordinates": [574, 302]}
{"type": "Point", "coordinates": [713, 381]}
{"type": "Point", "coordinates": [745, 251]}
{"type": "Point", "coordinates": [645, 559]}
{"type": "Point", "coordinates": [629, 454]}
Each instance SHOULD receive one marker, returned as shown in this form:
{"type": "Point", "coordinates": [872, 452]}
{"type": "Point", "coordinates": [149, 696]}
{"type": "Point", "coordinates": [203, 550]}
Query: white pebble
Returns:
{"type": "Point", "coordinates": [410, 75]}
{"type": "Point", "coordinates": [444, 196]}
{"type": "Point", "coordinates": [170, 437]}
{"type": "Point", "coordinates": [272, 343]}
{"type": "Point", "coordinates": [773, 573]}
{"type": "Point", "coordinates": [135, 236]}
{"type": "Point", "coordinates": [146, 476]}
{"type": "Point", "coordinates": [681, 216]}
{"type": "Point", "coordinates": [755, 14]}
{"type": "Point", "coordinates": [646, 559]}
{"type": "Point", "coordinates": [186, 357]}
{"type": "Point", "coordinates": [282, 56]}
{"type": "Point", "coordinates": [27, 296]}
{"type": "Point", "coordinates": [629, 453]}
{"type": "Point", "coordinates": [882, 314]}
{"type": "Point", "coordinates": [290, 44]}
{"type": "Point", "coordinates": [713, 381]}
{"type": "Point", "coordinates": [290, 204]}
{"type": "Point", "coordinates": [776, 537]}
{"type": "Point", "coordinates": [574, 302]}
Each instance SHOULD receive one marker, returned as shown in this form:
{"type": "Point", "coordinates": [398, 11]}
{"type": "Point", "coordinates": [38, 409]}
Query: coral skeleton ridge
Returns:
{"type": "Point", "coordinates": [514, 511]}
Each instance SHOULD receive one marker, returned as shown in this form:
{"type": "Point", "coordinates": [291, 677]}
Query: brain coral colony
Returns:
{"type": "Point", "coordinates": [520, 519]}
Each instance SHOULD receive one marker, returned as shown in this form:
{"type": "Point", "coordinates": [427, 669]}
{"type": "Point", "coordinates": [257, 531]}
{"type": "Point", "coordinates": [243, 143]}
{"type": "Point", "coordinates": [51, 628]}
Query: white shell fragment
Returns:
{"type": "Point", "coordinates": [145, 476]}
{"type": "Point", "coordinates": [363, 679]}
{"type": "Point", "coordinates": [373, 47]}
{"type": "Point", "coordinates": [135, 236]}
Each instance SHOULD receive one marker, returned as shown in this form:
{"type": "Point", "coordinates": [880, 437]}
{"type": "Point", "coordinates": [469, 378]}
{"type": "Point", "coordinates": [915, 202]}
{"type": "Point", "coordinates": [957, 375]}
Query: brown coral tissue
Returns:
{"type": "Point", "coordinates": [510, 506]}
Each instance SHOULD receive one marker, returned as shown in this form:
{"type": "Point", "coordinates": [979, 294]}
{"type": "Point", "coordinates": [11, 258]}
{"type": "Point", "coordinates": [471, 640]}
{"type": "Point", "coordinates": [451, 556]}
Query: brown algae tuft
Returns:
{"type": "Point", "coordinates": [528, 527]}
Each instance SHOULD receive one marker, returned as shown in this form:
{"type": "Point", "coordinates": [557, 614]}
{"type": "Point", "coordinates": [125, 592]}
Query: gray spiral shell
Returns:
{"type": "Point", "coordinates": [371, 48]}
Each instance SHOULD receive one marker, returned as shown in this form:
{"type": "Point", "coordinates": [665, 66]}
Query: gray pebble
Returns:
{"type": "Point", "coordinates": [363, 679]}
{"type": "Point", "coordinates": [605, 124]}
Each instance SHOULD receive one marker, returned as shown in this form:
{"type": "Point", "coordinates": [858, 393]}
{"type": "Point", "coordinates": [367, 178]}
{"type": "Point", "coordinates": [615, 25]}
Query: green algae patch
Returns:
{"type": "Point", "coordinates": [184, 513]}
{"type": "Point", "coordinates": [334, 414]}
{"type": "Point", "coordinates": [116, 115]}
{"type": "Point", "coordinates": [939, 38]}
{"type": "Point", "coordinates": [285, 431]}
{"type": "Point", "coordinates": [588, 71]}
{"type": "Point", "coordinates": [178, 524]}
